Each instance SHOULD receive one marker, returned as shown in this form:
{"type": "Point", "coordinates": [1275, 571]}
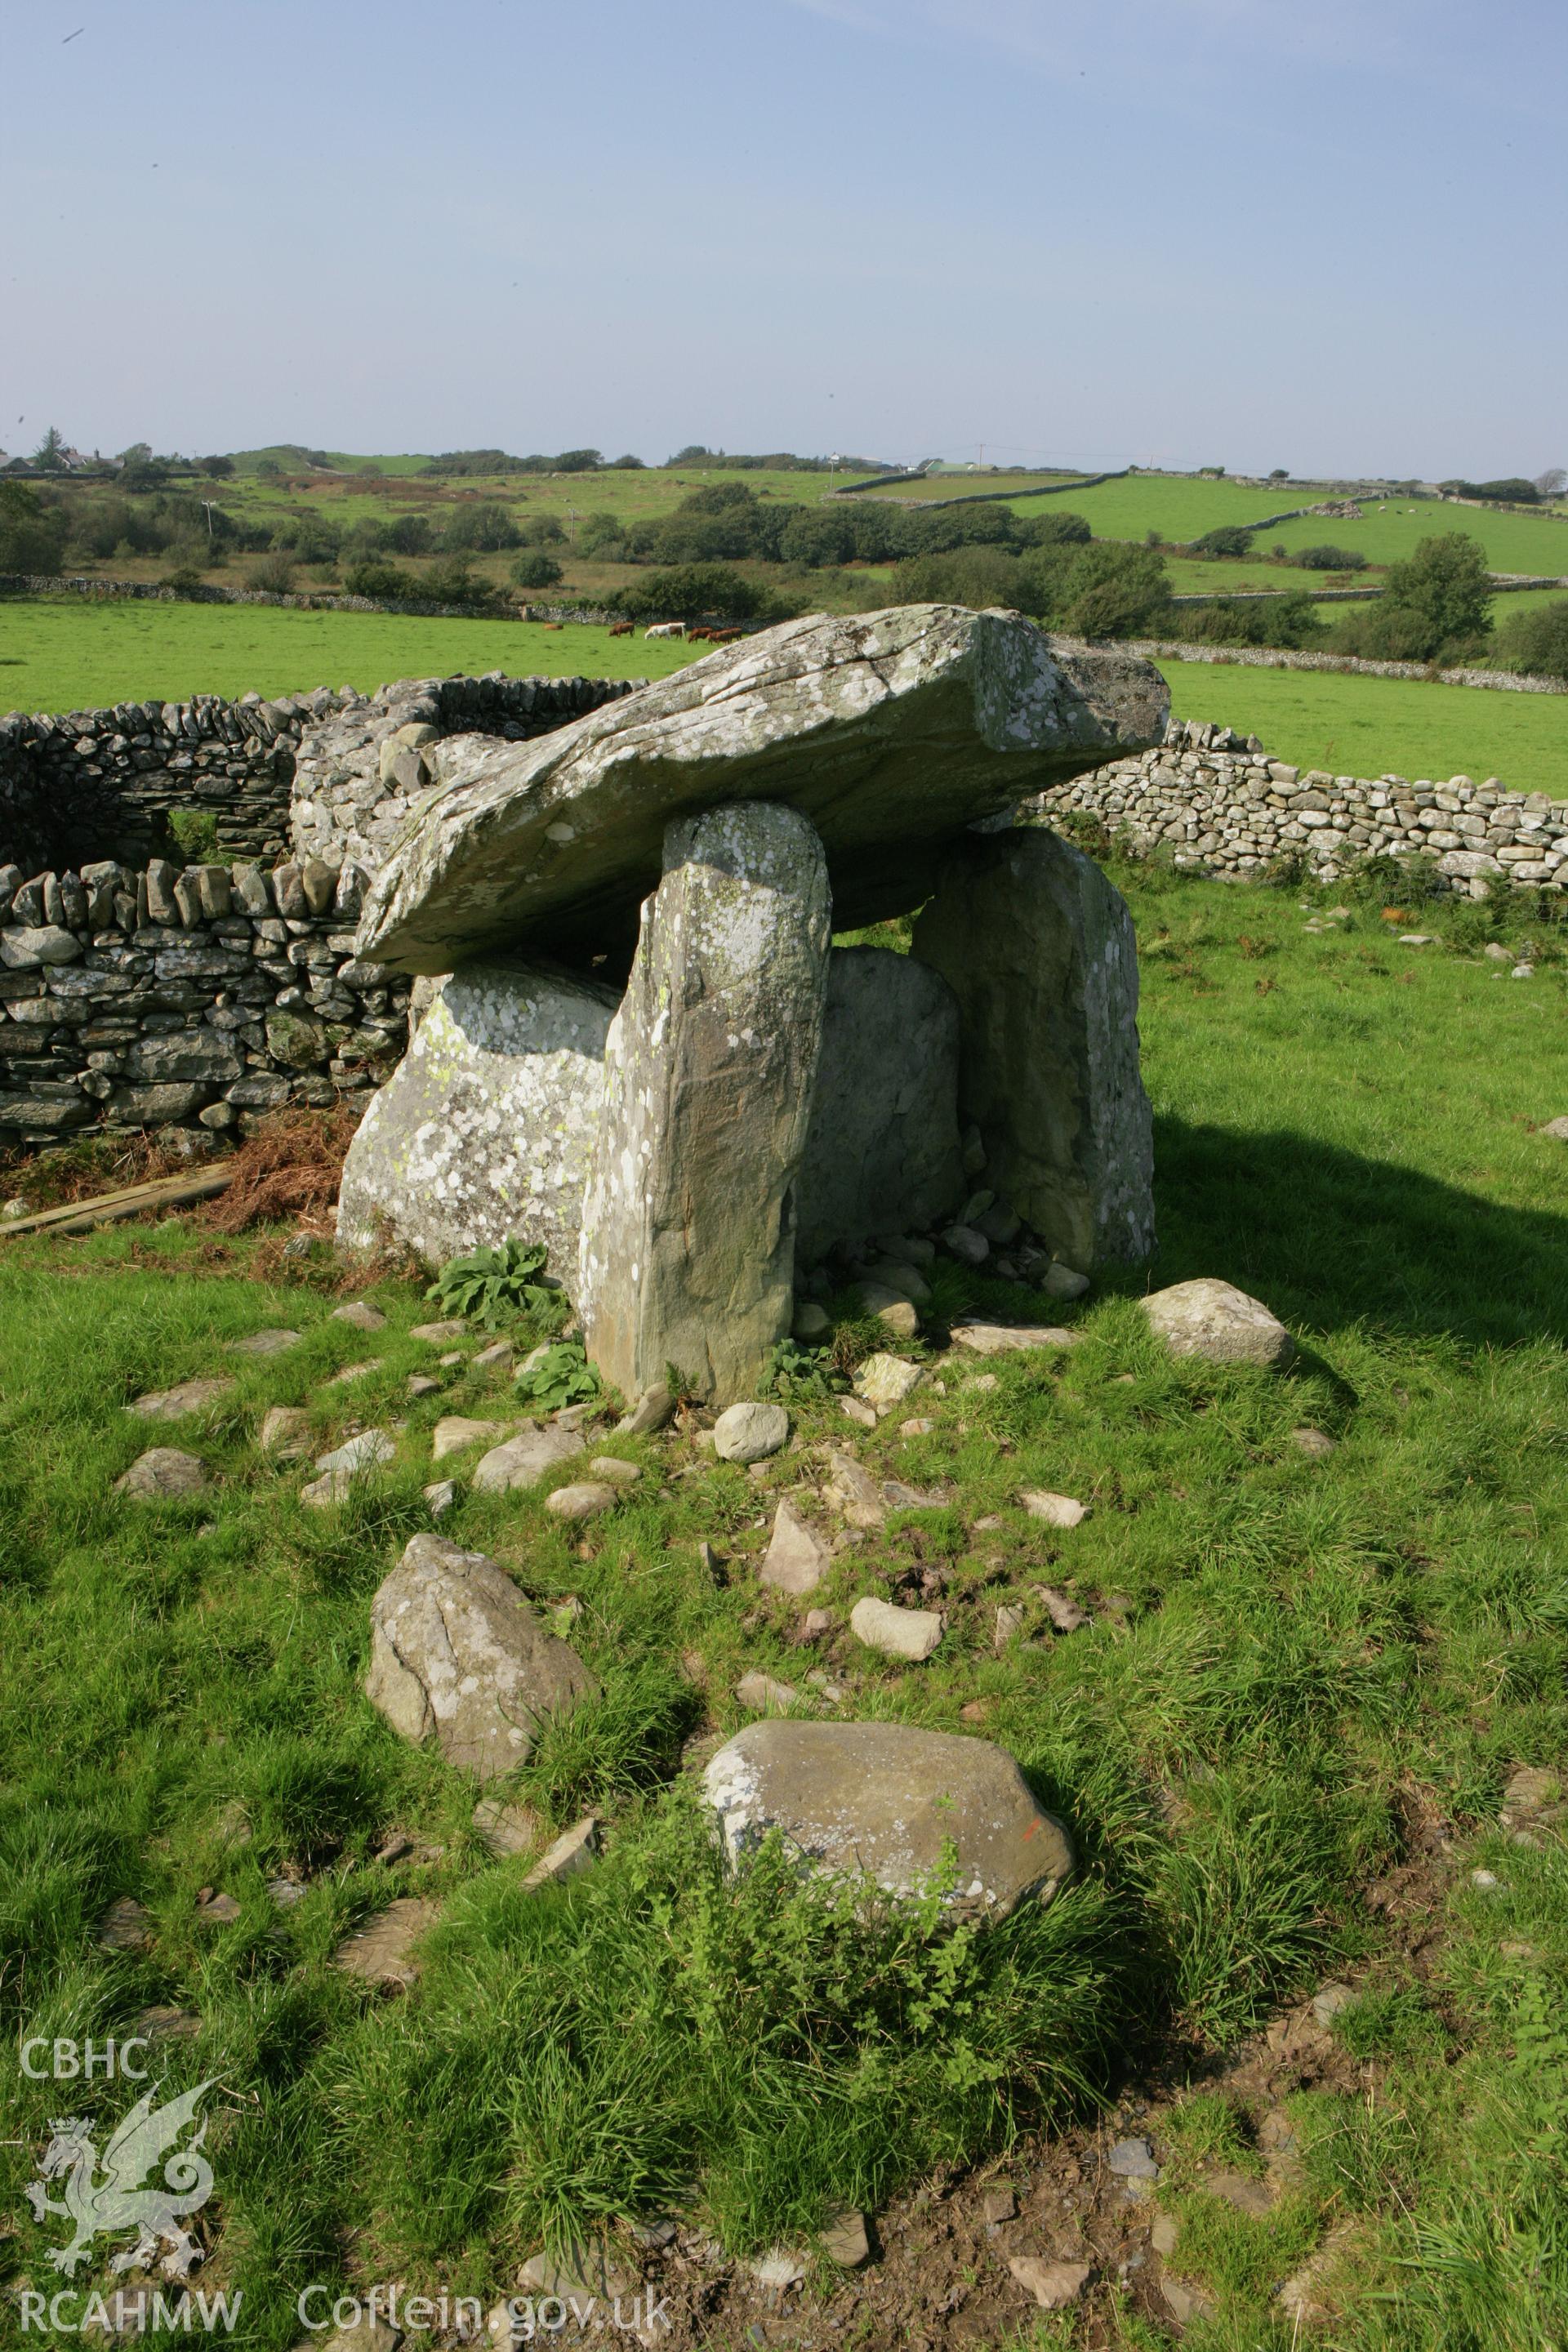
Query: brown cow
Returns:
{"type": "Point", "coordinates": [620, 628]}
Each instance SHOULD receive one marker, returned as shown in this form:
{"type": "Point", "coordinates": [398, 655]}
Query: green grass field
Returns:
{"type": "Point", "coordinates": [69, 656]}
{"type": "Point", "coordinates": [1378, 726]}
{"type": "Point", "coordinates": [1281, 1742]}
{"type": "Point", "coordinates": [958, 485]}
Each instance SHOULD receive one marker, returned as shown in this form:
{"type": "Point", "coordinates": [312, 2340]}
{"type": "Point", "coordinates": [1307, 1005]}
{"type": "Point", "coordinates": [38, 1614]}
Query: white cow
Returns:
{"type": "Point", "coordinates": [666, 629]}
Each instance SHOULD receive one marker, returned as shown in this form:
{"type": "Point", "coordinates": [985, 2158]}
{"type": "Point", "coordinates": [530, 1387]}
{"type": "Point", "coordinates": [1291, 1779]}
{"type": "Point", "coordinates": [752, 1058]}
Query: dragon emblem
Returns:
{"type": "Point", "coordinates": [104, 2202]}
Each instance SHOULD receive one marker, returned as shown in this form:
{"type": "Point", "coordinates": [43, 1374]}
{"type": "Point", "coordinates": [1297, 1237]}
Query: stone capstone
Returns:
{"type": "Point", "coordinates": [688, 1248]}
{"type": "Point", "coordinates": [1038, 948]}
{"type": "Point", "coordinates": [882, 1801]}
{"type": "Point", "coordinates": [487, 1128]}
{"type": "Point", "coordinates": [458, 1655]}
{"type": "Point", "coordinates": [888, 731]}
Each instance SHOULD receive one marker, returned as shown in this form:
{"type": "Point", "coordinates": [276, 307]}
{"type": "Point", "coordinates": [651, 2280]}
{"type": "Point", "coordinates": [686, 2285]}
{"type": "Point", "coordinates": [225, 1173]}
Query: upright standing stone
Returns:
{"type": "Point", "coordinates": [882, 1152]}
{"type": "Point", "coordinates": [688, 1252]}
{"type": "Point", "coordinates": [1039, 948]}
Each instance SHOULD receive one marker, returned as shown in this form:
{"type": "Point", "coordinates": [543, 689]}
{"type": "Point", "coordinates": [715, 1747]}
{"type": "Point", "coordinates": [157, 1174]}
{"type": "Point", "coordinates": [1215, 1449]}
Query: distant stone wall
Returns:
{"type": "Point", "coordinates": [208, 997]}
{"type": "Point", "coordinates": [90, 784]}
{"type": "Point", "coordinates": [1217, 803]}
{"type": "Point", "coordinates": [1182, 649]}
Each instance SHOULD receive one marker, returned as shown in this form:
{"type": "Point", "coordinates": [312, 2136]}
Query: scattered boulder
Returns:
{"type": "Point", "coordinates": [1132, 2159]}
{"type": "Point", "coordinates": [846, 2241]}
{"type": "Point", "coordinates": [440, 1335]}
{"type": "Point", "coordinates": [525, 1459]}
{"type": "Point", "coordinates": [796, 1560]}
{"type": "Point", "coordinates": [457, 1653]}
{"type": "Point", "coordinates": [125, 1927]}
{"type": "Point", "coordinates": [162, 1473]}
{"type": "Point", "coordinates": [810, 1323]}
{"type": "Point", "coordinates": [652, 1410]}
{"type": "Point", "coordinates": [853, 1492]}
{"type": "Point", "coordinates": [285, 1431]}
{"type": "Point", "coordinates": [749, 1433]}
{"type": "Point", "coordinates": [1557, 1128]}
{"type": "Point", "coordinates": [1315, 1442]}
{"type": "Point", "coordinates": [381, 1953]}
{"type": "Point", "coordinates": [440, 1494]}
{"type": "Point", "coordinates": [908, 1633]}
{"type": "Point", "coordinates": [173, 1404]}
{"type": "Point", "coordinates": [881, 1800]}
{"type": "Point", "coordinates": [1219, 1323]}
{"type": "Point", "coordinates": [856, 1409]}
{"type": "Point", "coordinates": [1062, 1609]}
{"type": "Point", "coordinates": [614, 1471]}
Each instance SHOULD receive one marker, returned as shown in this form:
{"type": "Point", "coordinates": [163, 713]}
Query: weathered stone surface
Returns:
{"type": "Point", "coordinates": [749, 1431]}
{"type": "Point", "coordinates": [263, 1343]}
{"type": "Point", "coordinates": [173, 1404]}
{"type": "Point", "coordinates": [911, 1634]}
{"type": "Point", "coordinates": [880, 1800]}
{"type": "Point", "coordinates": [457, 1653]}
{"type": "Point", "coordinates": [1220, 1323]}
{"type": "Point", "coordinates": [890, 731]}
{"type": "Point", "coordinates": [525, 1459]}
{"type": "Point", "coordinates": [284, 1428]}
{"type": "Point", "coordinates": [1054, 2285]}
{"type": "Point", "coordinates": [1008, 1339]}
{"type": "Point", "coordinates": [162, 1472]}
{"type": "Point", "coordinates": [359, 1315]}
{"type": "Point", "coordinates": [796, 1560]}
{"type": "Point", "coordinates": [764, 1695]}
{"type": "Point", "coordinates": [382, 1952]}
{"type": "Point", "coordinates": [881, 1145]}
{"type": "Point", "coordinates": [584, 1501]}
{"type": "Point", "coordinates": [574, 1850]}
{"type": "Point", "coordinates": [486, 1125]}
{"type": "Point", "coordinates": [1057, 1511]}
{"type": "Point", "coordinates": [455, 1432]}
{"type": "Point", "coordinates": [1038, 948]}
{"type": "Point", "coordinates": [883, 1382]}
{"type": "Point", "coordinates": [688, 1251]}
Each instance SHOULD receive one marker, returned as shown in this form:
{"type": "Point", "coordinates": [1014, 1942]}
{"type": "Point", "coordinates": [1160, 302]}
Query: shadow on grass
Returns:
{"type": "Point", "coordinates": [1326, 1237]}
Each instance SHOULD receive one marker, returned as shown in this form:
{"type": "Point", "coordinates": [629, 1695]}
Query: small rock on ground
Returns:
{"type": "Point", "coordinates": [124, 1927]}
{"type": "Point", "coordinates": [575, 1850]}
{"type": "Point", "coordinates": [163, 1471]}
{"type": "Point", "coordinates": [361, 1315]}
{"type": "Point", "coordinates": [583, 1501]}
{"type": "Point", "coordinates": [421, 1385]}
{"type": "Point", "coordinates": [190, 1396]}
{"type": "Point", "coordinates": [506, 1828]}
{"type": "Point", "coordinates": [1054, 2285]}
{"type": "Point", "coordinates": [1557, 1128]}
{"type": "Point", "coordinates": [1315, 1442]}
{"type": "Point", "coordinates": [381, 1953]}
{"type": "Point", "coordinates": [452, 1435]}
{"type": "Point", "coordinates": [763, 1695]}
{"type": "Point", "coordinates": [496, 1358]}
{"type": "Point", "coordinates": [524, 1459]}
{"type": "Point", "coordinates": [886, 1381]}
{"type": "Point", "coordinates": [796, 1560]}
{"type": "Point", "coordinates": [1062, 1609]}
{"type": "Point", "coordinates": [845, 2240]}
{"type": "Point", "coordinates": [441, 1494]}
{"type": "Point", "coordinates": [1003, 1339]}
{"type": "Point", "coordinates": [262, 1343]}
{"type": "Point", "coordinates": [1132, 2159]}
{"type": "Point", "coordinates": [911, 1634]}
{"type": "Point", "coordinates": [650, 1411]}
{"type": "Point", "coordinates": [1219, 1323]}
{"type": "Point", "coordinates": [613, 1471]}
{"type": "Point", "coordinates": [356, 1454]}
{"type": "Point", "coordinates": [354, 1373]}
{"type": "Point", "coordinates": [749, 1433]}
{"type": "Point", "coordinates": [440, 1335]}
{"type": "Point", "coordinates": [284, 1431]}
{"type": "Point", "coordinates": [811, 1323]}
{"type": "Point", "coordinates": [855, 1409]}
{"type": "Point", "coordinates": [1057, 1511]}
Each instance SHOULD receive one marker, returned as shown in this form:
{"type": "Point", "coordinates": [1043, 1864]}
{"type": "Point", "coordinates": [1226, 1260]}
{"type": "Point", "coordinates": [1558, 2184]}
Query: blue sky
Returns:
{"type": "Point", "coordinates": [1242, 232]}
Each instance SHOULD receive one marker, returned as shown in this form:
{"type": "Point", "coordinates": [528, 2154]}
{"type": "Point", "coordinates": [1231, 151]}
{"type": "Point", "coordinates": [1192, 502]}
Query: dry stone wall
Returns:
{"type": "Point", "coordinates": [135, 994]}
{"type": "Point", "coordinates": [206, 997]}
{"type": "Point", "coordinates": [1217, 803]}
{"type": "Point", "coordinates": [83, 785]}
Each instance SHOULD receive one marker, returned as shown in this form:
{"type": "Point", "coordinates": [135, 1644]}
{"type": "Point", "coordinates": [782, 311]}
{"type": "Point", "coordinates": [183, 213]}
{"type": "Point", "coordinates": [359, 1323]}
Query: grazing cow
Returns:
{"type": "Point", "coordinates": [666, 629]}
{"type": "Point", "coordinates": [693, 635]}
{"type": "Point", "coordinates": [724, 637]}
{"type": "Point", "coordinates": [620, 628]}
{"type": "Point", "coordinates": [552, 625]}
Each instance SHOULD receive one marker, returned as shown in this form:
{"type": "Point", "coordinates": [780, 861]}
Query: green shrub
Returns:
{"type": "Point", "coordinates": [1438, 604]}
{"type": "Point", "coordinates": [484, 528]}
{"type": "Point", "coordinates": [690, 591]}
{"type": "Point", "coordinates": [563, 1376]}
{"type": "Point", "coordinates": [386, 582]}
{"type": "Point", "coordinates": [1328, 558]}
{"type": "Point", "coordinates": [536, 569]}
{"type": "Point", "coordinates": [452, 582]}
{"type": "Point", "coordinates": [1289, 621]}
{"type": "Point", "coordinates": [1227, 538]}
{"type": "Point", "coordinates": [1537, 642]}
{"type": "Point", "coordinates": [275, 573]}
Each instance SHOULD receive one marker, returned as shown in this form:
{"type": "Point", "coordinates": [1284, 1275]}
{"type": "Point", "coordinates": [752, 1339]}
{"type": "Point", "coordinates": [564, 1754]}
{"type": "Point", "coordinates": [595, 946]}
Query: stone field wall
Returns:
{"type": "Point", "coordinates": [1217, 804]}
{"type": "Point", "coordinates": [134, 993]}
{"type": "Point", "coordinates": [90, 784]}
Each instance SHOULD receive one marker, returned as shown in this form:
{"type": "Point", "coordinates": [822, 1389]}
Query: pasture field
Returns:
{"type": "Point", "coordinates": [1282, 1742]}
{"type": "Point", "coordinates": [958, 485]}
{"type": "Point", "coordinates": [65, 654]}
{"type": "Point", "coordinates": [1374, 726]}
